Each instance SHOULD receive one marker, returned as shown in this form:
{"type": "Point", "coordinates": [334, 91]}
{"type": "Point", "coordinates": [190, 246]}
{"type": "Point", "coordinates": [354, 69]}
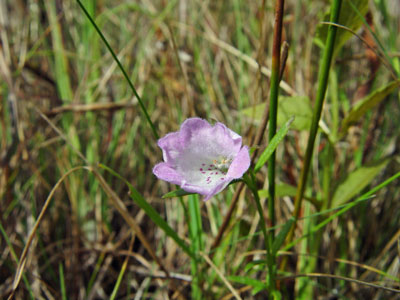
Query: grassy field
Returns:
{"type": "Point", "coordinates": [82, 215]}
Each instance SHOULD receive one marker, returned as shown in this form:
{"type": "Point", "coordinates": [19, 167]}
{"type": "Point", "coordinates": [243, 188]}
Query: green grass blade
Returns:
{"type": "Point", "coordinates": [322, 85]}
{"type": "Point", "coordinates": [60, 59]}
{"type": "Point", "coordinates": [62, 282]}
{"type": "Point", "coordinates": [272, 145]}
{"type": "Point", "coordinates": [15, 257]}
{"type": "Point", "coordinates": [121, 68]}
{"type": "Point", "coordinates": [257, 285]}
{"type": "Point", "coordinates": [152, 213]}
{"type": "Point", "coordinates": [346, 207]}
{"type": "Point", "coordinates": [281, 236]}
{"type": "Point", "coordinates": [351, 18]}
{"type": "Point", "coordinates": [176, 193]}
{"type": "Point", "coordinates": [121, 273]}
{"type": "Point", "coordinates": [195, 230]}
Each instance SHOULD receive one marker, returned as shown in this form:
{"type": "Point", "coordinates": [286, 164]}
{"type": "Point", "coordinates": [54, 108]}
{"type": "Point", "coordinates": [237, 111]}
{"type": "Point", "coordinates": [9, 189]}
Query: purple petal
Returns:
{"type": "Point", "coordinates": [165, 171]}
{"type": "Point", "coordinates": [217, 189]}
{"type": "Point", "coordinates": [240, 163]}
{"type": "Point", "coordinates": [229, 141]}
{"type": "Point", "coordinates": [206, 141]}
{"type": "Point", "coordinates": [191, 127]}
{"type": "Point", "coordinates": [171, 146]}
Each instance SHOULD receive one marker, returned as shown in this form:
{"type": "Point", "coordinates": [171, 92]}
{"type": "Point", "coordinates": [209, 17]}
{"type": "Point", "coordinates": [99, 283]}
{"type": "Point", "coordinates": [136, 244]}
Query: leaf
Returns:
{"type": "Point", "coordinates": [256, 284]}
{"type": "Point", "coordinates": [362, 106]}
{"type": "Point", "coordinates": [272, 145]}
{"type": "Point", "coordinates": [356, 181]}
{"type": "Point", "coordinates": [297, 106]}
{"type": "Point", "coordinates": [280, 238]}
{"type": "Point", "coordinates": [176, 193]}
{"type": "Point", "coordinates": [281, 190]}
{"type": "Point", "coordinates": [254, 263]}
{"type": "Point", "coordinates": [276, 295]}
{"type": "Point", "coordinates": [349, 17]}
{"type": "Point", "coordinates": [152, 213]}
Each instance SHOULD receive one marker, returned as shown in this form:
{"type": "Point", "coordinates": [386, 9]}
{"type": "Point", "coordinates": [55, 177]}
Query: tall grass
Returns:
{"type": "Point", "coordinates": [89, 86]}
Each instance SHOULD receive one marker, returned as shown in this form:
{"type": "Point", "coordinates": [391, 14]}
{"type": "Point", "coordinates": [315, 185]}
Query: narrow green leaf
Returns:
{"type": "Point", "coordinates": [356, 181]}
{"type": "Point", "coordinates": [280, 238]}
{"type": "Point", "coordinates": [276, 295]}
{"type": "Point", "coordinates": [344, 208]}
{"type": "Point", "coordinates": [256, 284]}
{"type": "Point", "coordinates": [176, 193]}
{"type": "Point", "coordinates": [255, 263]}
{"type": "Point", "coordinates": [366, 104]}
{"type": "Point", "coordinates": [282, 189]}
{"type": "Point", "coordinates": [252, 149]}
{"type": "Point", "coordinates": [195, 233]}
{"type": "Point", "coordinates": [297, 106]}
{"type": "Point", "coordinates": [152, 213]}
{"type": "Point", "coordinates": [349, 18]}
{"type": "Point", "coordinates": [272, 145]}
{"type": "Point", "coordinates": [141, 104]}
{"type": "Point", "coordinates": [62, 282]}
{"type": "Point", "coordinates": [60, 58]}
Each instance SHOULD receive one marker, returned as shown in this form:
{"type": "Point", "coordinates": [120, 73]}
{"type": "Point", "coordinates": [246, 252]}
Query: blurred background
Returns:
{"type": "Point", "coordinates": [65, 103]}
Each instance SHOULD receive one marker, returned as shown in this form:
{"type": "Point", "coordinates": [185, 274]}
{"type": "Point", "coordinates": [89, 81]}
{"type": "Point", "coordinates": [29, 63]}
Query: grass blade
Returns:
{"type": "Point", "coordinates": [195, 230]}
{"type": "Point", "coordinates": [272, 145]}
{"type": "Point", "coordinates": [62, 282]}
{"type": "Point", "coordinates": [281, 236]}
{"type": "Point", "coordinates": [152, 213]}
{"type": "Point", "coordinates": [122, 70]}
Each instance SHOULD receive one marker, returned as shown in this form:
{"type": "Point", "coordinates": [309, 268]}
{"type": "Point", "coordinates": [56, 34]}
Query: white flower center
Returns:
{"type": "Point", "coordinates": [222, 164]}
{"type": "Point", "coordinates": [215, 172]}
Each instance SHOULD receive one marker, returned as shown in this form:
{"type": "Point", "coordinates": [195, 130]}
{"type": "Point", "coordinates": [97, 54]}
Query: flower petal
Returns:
{"type": "Point", "coordinates": [191, 127]}
{"type": "Point", "coordinates": [171, 146]}
{"type": "Point", "coordinates": [209, 142]}
{"type": "Point", "coordinates": [217, 189]}
{"type": "Point", "coordinates": [165, 171]}
{"type": "Point", "coordinates": [229, 142]}
{"type": "Point", "coordinates": [240, 164]}
{"type": "Point", "coordinates": [207, 191]}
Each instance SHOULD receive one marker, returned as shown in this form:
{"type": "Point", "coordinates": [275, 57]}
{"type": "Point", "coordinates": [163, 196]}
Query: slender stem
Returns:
{"type": "Point", "coordinates": [319, 101]}
{"type": "Point", "coordinates": [249, 179]}
{"type": "Point", "coordinates": [273, 107]}
{"type": "Point", "coordinates": [121, 68]}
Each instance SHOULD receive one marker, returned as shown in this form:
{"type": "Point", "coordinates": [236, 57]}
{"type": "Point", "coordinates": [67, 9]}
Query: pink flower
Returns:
{"type": "Point", "coordinates": [202, 158]}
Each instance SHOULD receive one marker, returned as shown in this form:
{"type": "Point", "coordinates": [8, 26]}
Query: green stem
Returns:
{"type": "Point", "coordinates": [249, 180]}
{"type": "Point", "coordinates": [273, 107]}
{"type": "Point", "coordinates": [121, 68]}
{"type": "Point", "coordinates": [195, 231]}
{"type": "Point", "coordinates": [319, 101]}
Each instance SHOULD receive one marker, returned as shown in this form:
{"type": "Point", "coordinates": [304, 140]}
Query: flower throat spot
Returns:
{"type": "Point", "coordinates": [215, 171]}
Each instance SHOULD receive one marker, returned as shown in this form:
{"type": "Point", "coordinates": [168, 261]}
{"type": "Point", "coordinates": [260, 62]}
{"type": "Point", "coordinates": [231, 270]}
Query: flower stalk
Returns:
{"type": "Point", "coordinates": [249, 180]}
{"type": "Point", "coordinates": [273, 106]}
